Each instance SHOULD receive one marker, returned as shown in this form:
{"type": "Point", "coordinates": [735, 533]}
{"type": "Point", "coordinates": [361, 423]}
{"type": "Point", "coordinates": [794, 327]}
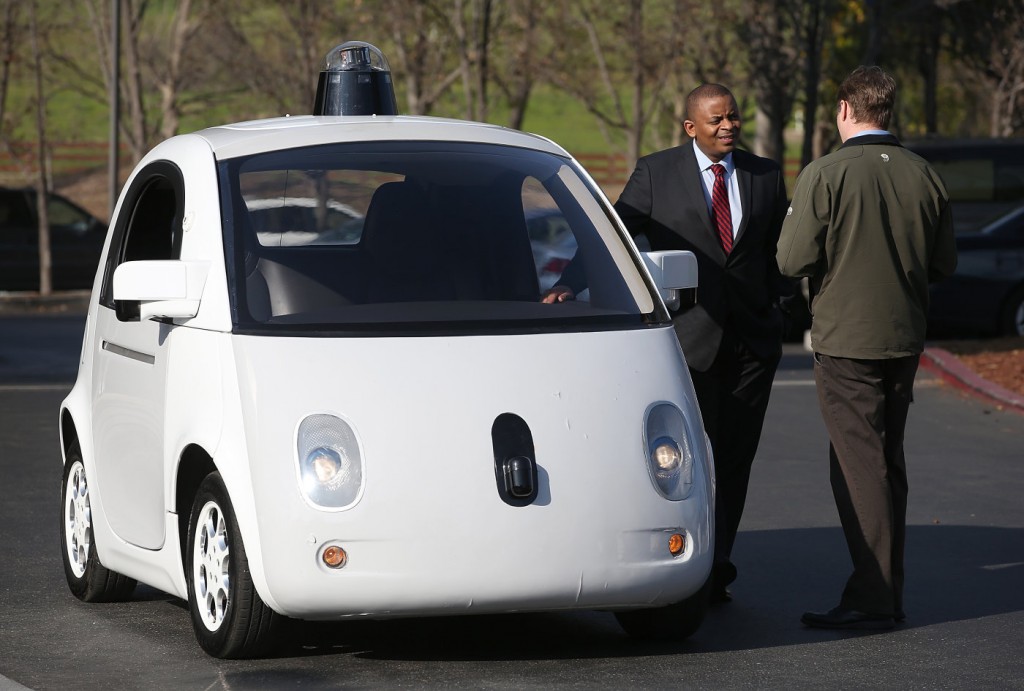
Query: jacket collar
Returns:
{"type": "Point", "coordinates": [866, 139]}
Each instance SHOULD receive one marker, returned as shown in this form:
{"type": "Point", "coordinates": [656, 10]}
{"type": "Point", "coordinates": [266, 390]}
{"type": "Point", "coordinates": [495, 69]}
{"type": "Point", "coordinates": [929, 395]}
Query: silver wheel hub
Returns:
{"type": "Point", "coordinates": [210, 561]}
{"type": "Point", "coordinates": [77, 520]}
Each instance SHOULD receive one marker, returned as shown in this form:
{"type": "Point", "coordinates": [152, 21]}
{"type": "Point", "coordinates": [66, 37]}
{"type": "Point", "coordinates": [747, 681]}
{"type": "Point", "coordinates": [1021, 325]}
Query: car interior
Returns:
{"type": "Point", "coordinates": [438, 242]}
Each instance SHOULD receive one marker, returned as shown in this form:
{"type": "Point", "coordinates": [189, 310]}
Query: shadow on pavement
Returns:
{"type": "Point", "coordinates": [953, 573]}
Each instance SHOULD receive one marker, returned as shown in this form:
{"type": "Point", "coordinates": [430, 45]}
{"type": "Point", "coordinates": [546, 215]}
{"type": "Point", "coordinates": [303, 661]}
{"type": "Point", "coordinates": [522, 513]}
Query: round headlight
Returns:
{"type": "Point", "coordinates": [666, 455]}
{"type": "Point", "coordinates": [670, 451]}
{"type": "Point", "coordinates": [330, 464]}
{"type": "Point", "coordinates": [325, 463]}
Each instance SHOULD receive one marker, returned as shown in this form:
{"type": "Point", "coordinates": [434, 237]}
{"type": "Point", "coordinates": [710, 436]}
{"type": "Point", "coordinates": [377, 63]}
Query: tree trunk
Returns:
{"type": "Point", "coordinates": [6, 54]}
{"type": "Point", "coordinates": [170, 105]}
{"type": "Point", "coordinates": [522, 70]}
{"type": "Point", "coordinates": [635, 132]}
{"type": "Point", "coordinates": [813, 39]}
{"type": "Point", "coordinates": [769, 135]}
{"type": "Point", "coordinates": [42, 188]}
{"type": "Point", "coordinates": [928, 66]}
{"type": "Point", "coordinates": [481, 51]}
{"type": "Point", "coordinates": [135, 128]}
{"type": "Point", "coordinates": [873, 45]}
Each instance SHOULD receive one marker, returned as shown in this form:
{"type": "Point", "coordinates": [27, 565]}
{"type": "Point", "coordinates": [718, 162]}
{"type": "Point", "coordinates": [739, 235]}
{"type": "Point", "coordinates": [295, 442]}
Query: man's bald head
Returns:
{"type": "Point", "coordinates": [704, 92]}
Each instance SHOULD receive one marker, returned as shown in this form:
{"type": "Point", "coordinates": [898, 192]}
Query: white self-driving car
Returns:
{"type": "Point", "coordinates": [271, 423]}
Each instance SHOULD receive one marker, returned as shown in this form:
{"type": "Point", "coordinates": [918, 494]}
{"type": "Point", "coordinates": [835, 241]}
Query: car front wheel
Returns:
{"type": "Point", "coordinates": [674, 622]}
{"type": "Point", "coordinates": [228, 616]}
{"type": "Point", "coordinates": [87, 578]}
{"type": "Point", "coordinates": [1013, 314]}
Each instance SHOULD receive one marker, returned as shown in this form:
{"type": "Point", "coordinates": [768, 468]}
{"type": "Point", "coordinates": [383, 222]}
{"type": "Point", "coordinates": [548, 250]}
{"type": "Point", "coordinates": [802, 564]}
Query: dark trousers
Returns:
{"type": "Point", "coordinates": [864, 404]}
{"type": "Point", "coordinates": [733, 397]}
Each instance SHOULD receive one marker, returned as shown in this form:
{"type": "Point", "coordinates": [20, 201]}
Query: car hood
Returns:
{"type": "Point", "coordinates": [423, 409]}
{"type": "Point", "coordinates": [434, 391]}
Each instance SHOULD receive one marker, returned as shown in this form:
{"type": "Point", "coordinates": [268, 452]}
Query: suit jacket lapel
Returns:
{"type": "Point", "coordinates": [693, 197]}
{"type": "Point", "coordinates": [692, 184]}
{"type": "Point", "coordinates": [745, 180]}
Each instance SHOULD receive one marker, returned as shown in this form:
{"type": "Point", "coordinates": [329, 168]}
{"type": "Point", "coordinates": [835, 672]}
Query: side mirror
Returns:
{"type": "Point", "coordinates": [675, 275]}
{"type": "Point", "coordinates": [170, 289]}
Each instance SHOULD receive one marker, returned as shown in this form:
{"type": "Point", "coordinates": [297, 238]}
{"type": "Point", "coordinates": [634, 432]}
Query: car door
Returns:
{"type": "Point", "coordinates": [130, 365]}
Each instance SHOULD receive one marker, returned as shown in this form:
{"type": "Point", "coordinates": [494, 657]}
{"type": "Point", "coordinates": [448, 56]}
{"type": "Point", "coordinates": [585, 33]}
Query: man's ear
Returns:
{"type": "Point", "coordinates": [844, 111]}
{"type": "Point", "coordinates": [689, 127]}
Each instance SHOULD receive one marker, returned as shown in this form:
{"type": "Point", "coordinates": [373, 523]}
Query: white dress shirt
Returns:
{"type": "Point", "coordinates": [731, 184]}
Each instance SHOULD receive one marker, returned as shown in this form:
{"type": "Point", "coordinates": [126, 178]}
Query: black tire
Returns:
{"type": "Point", "coordinates": [674, 622]}
{"type": "Point", "coordinates": [228, 616]}
{"type": "Point", "coordinates": [87, 578]}
{"type": "Point", "coordinates": [1013, 314]}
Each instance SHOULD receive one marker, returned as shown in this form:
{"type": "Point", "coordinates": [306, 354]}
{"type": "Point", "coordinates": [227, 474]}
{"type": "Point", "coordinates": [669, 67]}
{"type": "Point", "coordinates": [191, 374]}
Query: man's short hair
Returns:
{"type": "Point", "coordinates": [871, 94]}
{"type": "Point", "coordinates": [702, 92]}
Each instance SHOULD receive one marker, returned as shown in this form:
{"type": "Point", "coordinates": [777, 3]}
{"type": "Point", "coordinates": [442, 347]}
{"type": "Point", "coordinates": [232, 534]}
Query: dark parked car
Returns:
{"type": "Point", "coordinates": [986, 294]}
{"type": "Point", "coordinates": [76, 239]}
{"type": "Point", "coordinates": [984, 177]}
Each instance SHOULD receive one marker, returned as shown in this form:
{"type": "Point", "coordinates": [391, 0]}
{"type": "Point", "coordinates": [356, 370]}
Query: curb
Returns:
{"type": "Point", "coordinates": [950, 369]}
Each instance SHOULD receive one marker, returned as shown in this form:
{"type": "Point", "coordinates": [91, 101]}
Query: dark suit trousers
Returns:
{"type": "Point", "coordinates": [733, 397]}
{"type": "Point", "coordinates": [864, 404]}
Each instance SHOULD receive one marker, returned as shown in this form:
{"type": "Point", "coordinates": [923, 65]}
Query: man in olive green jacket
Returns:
{"type": "Point", "coordinates": [870, 226]}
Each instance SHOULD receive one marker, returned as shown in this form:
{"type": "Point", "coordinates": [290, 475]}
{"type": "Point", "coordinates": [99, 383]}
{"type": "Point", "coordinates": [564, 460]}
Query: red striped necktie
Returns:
{"type": "Point", "coordinates": [720, 212]}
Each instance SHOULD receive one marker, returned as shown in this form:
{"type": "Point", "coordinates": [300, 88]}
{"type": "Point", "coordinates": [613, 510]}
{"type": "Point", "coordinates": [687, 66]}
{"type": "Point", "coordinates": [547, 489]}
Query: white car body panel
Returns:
{"type": "Point", "coordinates": [429, 533]}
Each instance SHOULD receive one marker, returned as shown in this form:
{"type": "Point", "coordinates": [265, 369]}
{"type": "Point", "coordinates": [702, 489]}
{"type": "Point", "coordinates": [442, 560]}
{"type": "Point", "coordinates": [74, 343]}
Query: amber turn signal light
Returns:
{"type": "Point", "coordinates": [334, 557]}
{"type": "Point", "coordinates": [676, 544]}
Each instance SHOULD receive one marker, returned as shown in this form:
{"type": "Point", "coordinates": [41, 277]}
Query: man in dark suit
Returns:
{"type": "Point", "coordinates": [732, 337]}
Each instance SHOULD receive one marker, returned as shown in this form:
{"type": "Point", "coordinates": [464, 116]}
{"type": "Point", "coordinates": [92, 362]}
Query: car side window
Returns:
{"type": "Point", "coordinates": [148, 225]}
{"type": "Point", "coordinates": [66, 217]}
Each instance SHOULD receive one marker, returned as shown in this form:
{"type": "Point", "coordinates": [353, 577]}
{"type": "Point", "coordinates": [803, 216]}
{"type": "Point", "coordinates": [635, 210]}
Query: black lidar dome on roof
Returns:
{"type": "Point", "coordinates": [355, 79]}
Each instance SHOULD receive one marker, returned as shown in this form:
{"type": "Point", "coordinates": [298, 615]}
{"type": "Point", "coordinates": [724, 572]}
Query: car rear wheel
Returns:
{"type": "Point", "coordinates": [87, 578]}
{"type": "Point", "coordinates": [228, 616]}
{"type": "Point", "coordinates": [1013, 314]}
{"type": "Point", "coordinates": [674, 622]}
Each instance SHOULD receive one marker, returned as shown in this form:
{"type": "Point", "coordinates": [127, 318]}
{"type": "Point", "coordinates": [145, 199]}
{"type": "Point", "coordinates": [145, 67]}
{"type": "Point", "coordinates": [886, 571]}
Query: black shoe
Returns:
{"type": "Point", "coordinates": [724, 572]}
{"type": "Point", "coordinates": [900, 616]}
{"type": "Point", "coordinates": [842, 618]}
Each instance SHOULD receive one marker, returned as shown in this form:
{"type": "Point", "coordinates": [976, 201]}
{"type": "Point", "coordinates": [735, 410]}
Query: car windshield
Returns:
{"type": "Point", "coordinates": [389, 236]}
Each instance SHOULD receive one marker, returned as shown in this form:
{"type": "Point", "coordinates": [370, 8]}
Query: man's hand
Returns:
{"type": "Point", "coordinates": [557, 294]}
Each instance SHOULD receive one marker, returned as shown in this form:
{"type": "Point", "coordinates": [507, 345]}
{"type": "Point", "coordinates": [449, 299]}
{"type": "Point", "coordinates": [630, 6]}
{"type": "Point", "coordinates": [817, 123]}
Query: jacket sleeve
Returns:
{"type": "Point", "coordinates": [635, 203]}
{"type": "Point", "coordinates": [943, 260]}
{"type": "Point", "coordinates": [802, 243]}
{"type": "Point", "coordinates": [781, 286]}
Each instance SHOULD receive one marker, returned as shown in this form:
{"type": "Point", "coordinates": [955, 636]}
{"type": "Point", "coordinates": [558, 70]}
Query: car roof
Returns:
{"type": "Point", "coordinates": [274, 134]}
